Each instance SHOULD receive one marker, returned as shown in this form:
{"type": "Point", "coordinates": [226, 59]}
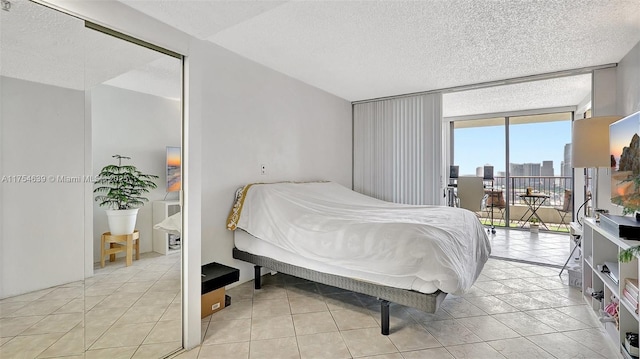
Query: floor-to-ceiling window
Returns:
{"type": "Point", "coordinates": [479, 143]}
{"type": "Point", "coordinates": [527, 153]}
{"type": "Point", "coordinates": [539, 160]}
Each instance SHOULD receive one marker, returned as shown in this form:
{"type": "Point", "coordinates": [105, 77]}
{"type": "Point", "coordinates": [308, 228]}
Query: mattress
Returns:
{"type": "Point", "coordinates": [329, 228]}
{"type": "Point", "coordinates": [248, 243]}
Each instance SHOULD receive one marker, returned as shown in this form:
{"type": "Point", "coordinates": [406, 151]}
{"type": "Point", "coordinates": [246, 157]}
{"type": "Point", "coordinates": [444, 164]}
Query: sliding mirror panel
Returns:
{"type": "Point", "coordinates": [72, 98]}
{"type": "Point", "coordinates": [43, 190]}
{"type": "Point", "coordinates": [133, 96]}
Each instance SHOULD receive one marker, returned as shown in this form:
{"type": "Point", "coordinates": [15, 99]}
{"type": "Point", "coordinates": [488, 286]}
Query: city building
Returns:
{"type": "Point", "coordinates": [516, 169]}
{"type": "Point", "coordinates": [566, 165]}
{"type": "Point", "coordinates": [547, 169]}
{"type": "Point", "coordinates": [531, 169]}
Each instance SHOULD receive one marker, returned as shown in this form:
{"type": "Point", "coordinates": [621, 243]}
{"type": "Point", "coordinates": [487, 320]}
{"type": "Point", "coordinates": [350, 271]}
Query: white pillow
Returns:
{"type": "Point", "coordinates": [171, 224]}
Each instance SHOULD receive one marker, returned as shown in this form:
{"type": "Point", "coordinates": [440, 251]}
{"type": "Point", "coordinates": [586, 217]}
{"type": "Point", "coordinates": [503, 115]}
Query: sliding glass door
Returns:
{"type": "Point", "coordinates": [480, 143]}
{"type": "Point", "coordinates": [527, 153]}
{"type": "Point", "coordinates": [539, 161]}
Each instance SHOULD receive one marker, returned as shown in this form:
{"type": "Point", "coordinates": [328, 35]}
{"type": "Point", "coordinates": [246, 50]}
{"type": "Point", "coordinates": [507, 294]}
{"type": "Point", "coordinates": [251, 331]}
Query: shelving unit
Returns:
{"type": "Point", "coordinates": [600, 246]}
{"type": "Point", "coordinates": [162, 210]}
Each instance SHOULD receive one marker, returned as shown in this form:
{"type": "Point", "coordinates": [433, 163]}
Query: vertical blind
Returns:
{"type": "Point", "coordinates": [398, 149]}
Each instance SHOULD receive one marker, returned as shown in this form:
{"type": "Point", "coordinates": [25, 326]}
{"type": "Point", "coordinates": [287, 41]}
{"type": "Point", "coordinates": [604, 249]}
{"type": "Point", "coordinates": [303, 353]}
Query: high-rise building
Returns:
{"type": "Point", "coordinates": [516, 169]}
{"type": "Point", "coordinates": [531, 169]}
{"type": "Point", "coordinates": [528, 172]}
{"type": "Point", "coordinates": [500, 180]}
{"type": "Point", "coordinates": [567, 165]}
{"type": "Point", "coordinates": [547, 169]}
{"type": "Point", "coordinates": [480, 171]}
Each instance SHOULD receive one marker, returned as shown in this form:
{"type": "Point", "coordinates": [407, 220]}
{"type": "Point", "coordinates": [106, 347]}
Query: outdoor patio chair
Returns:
{"type": "Point", "coordinates": [566, 209]}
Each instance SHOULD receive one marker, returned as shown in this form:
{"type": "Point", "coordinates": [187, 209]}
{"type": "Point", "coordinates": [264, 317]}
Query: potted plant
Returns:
{"type": "Point", "coordinates": [628, 254]}
{"type": "Point", "coordinates": [120, 189]}
{"type": "Point", "coordinates": [534, 226]}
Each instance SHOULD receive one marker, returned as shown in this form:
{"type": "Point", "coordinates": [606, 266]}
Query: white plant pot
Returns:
{"type": "Point", "coordinates": [534, 228]}
{"type": "Point", "coordinates": [122, 221]}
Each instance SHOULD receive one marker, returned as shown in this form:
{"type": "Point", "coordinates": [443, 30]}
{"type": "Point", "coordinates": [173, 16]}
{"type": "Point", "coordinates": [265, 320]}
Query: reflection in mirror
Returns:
{"type": "Point", "coordinates": [73, 97]}
{"type": "Point", "coordinates": [134, 104]}
{"type": "Point", "coordinates": [42, 212]}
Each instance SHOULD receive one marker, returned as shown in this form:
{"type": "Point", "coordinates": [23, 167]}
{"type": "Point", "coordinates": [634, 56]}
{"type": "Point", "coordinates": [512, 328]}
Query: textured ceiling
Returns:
{"type": "Point", "coordinates": [367, 49]}
{"type": "Point", "coordinates": [42, 45]}
{"type": "Point", "coordinates": [51, 52]}
{"type": "Point", "coordinates": [202, 18]}
{"type": "Point", "coordinates": [559, 92]}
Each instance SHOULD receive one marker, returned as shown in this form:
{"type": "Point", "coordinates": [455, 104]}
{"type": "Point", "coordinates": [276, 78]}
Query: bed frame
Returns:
{"type": "Point", "coordinates": [427, 302]}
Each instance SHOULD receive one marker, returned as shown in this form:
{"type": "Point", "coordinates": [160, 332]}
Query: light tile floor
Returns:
{"type": "Point", "coordinates": [515, 310]}
{"type": "Point", "coordinates": [548, 248]}
{"type": "Point", "coordinates": [120, 312]}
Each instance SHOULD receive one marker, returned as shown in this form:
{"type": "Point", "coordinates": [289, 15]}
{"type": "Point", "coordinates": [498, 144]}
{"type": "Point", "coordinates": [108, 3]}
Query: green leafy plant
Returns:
{"type": "Point", "coordinates": [121, 186]}
{"type": "Point", "coordinates": [533, 220]}
{"type": "Point", "coordinates": [627, 255]}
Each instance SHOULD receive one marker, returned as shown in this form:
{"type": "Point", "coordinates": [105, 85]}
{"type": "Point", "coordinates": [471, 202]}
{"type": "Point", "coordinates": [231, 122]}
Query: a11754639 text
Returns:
{"type": "Point", "coordinates": [47, 179]}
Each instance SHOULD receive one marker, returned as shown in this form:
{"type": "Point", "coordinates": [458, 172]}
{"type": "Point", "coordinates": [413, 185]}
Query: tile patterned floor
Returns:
{"type": "Point", "coordinates": [120, 312]}
{"type": "Point", "coordinates": [514, 310]}
{"type": "Point", "coordinates": [548, 248]}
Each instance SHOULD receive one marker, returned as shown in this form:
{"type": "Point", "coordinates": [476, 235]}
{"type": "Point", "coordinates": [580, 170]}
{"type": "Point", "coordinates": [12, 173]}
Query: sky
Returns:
{"type": "Point", "coordinates": [529, 143]}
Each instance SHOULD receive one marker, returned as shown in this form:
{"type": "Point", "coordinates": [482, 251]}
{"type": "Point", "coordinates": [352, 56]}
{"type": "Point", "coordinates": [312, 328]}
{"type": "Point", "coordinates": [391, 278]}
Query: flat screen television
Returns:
{"type": "Point", "coordinates": [624, 145]}
{"type": "Point", "coordinates": [174, 180]}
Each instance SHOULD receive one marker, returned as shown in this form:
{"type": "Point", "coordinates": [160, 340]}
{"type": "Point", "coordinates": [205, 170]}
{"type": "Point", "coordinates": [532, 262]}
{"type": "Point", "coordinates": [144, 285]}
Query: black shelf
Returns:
{"type": "Point", "coordinates": [216, 275]}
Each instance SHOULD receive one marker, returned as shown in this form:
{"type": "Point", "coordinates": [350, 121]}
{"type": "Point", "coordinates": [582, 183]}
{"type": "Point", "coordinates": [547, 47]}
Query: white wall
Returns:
{"type": "Point", "coordinates": [603, 94]}
{"type": "Point", "coordinates": [139, 126]}
{"type": "Point", "coordinates": [43, 223]}
{"type": "Point", "coordinates": [628, 80]}
{"type": "Point", "coordinates": [255, 116]}
{"type": "Point", "coordinates": [616, 91]}
{"type": "Point", "coordinates": [603, 103]}
{"type": "Point", "coordinates": [215, 85]}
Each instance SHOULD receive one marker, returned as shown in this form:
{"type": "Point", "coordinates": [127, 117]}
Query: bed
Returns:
{"type": "Point", "coordinates": [325, 232]}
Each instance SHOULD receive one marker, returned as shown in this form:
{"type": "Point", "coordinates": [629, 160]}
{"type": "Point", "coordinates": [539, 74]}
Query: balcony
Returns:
{"type": "Point", "coordinates": [553, 186]}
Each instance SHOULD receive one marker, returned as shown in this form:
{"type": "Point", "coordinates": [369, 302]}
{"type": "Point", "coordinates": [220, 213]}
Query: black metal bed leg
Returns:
{"type": "Point", "coordinates": [384, 317]}
{"type": "Point", "coordinates": [256, 277]}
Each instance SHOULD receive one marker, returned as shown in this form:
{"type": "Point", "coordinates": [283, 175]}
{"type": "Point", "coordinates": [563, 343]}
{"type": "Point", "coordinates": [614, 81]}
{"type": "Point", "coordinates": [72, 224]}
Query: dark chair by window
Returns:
{"type": "Point", "coordinates": [566, 209]}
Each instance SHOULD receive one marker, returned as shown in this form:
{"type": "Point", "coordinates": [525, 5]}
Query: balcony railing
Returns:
{"type": "Point", "coordinates": [553, 186]}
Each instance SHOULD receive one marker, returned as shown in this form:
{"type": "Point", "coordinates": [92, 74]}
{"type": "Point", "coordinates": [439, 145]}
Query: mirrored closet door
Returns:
{"type": "Point", "coordinates": [43, 218]}
{"type": "Point", "coordinates": [72, 97]}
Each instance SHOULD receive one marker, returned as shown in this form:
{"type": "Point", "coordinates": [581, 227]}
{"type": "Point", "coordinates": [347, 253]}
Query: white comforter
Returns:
{"type": "Point", "coordinates": [326, 222]}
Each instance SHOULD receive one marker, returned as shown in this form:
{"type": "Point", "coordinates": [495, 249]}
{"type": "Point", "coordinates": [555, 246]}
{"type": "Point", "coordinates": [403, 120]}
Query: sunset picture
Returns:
{"type": "Point", "coordinates": [624, 144]}
{"type": "Point", "coordinates": [173, 169]}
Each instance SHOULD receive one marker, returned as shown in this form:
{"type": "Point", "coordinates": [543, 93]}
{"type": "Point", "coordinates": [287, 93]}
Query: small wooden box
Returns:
{"type": "Point", "coordinates": [212, 302]}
